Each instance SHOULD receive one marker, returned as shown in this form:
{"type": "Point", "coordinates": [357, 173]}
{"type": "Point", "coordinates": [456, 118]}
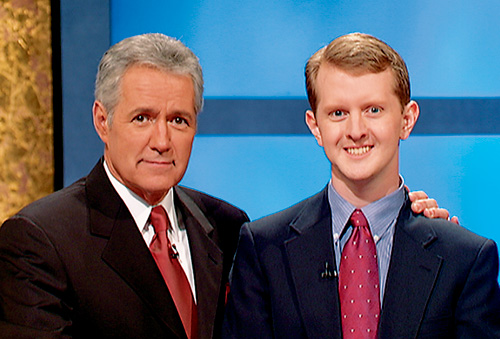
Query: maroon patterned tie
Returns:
{"type": "Point", "coordinates": [173, 274]}
{"type": "Point", "coordinates": [359, 282]}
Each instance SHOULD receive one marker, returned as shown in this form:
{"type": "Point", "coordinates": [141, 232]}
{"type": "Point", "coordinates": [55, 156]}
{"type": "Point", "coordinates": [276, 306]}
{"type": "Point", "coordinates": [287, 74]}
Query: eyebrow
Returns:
{"type": "Point", "coordinates": [142, 110]}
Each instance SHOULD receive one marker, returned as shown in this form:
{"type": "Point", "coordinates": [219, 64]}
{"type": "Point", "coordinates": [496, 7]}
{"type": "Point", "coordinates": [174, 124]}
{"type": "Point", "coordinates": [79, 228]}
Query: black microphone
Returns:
{"type": "Point", "coordinates": [327, 273]}
{"type": "Point", "coordinates": [174, 254]}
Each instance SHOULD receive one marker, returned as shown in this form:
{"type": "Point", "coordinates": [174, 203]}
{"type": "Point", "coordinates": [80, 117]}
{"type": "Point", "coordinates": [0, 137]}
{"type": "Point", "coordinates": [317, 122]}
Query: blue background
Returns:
{"type": "Point", "coordinates": [259, 48]}
{"type": "Point", "coordinates": [253, 149]}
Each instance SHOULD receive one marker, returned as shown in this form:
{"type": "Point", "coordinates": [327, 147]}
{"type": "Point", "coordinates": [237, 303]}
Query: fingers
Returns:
{"type": "Point", "coordinates": [436, 213]}
{"type": "Point", "coordinates": [418, 195]}
{"type": "Point", "coordinates": [429, 207]}
{"type": "Point", "coordinates": [419, 205]}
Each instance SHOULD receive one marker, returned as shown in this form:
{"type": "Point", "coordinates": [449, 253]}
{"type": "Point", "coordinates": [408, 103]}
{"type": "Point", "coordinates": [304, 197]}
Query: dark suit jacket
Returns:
{"type": "Point", "coordinates": [75, 264]}
{"type": "Point", "coordinates": [442, 279]}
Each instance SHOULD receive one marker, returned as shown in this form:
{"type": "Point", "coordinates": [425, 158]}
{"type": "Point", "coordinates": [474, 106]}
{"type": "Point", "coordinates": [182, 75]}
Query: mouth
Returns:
{"type": "Point", "coordinates": [160, 162]}
{"type": "Point", "coordinates": [358, 151]}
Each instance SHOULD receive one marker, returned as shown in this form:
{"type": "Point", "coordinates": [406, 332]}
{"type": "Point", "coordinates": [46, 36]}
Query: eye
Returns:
{"type": "Point", "coordinates": [375, 110]}
{"type": "Point", "coordinates": [180, 121]}
{"type": "Point", "coordinates": [337, 114]}
{"type": "Point", "coordinates": [140, 118]}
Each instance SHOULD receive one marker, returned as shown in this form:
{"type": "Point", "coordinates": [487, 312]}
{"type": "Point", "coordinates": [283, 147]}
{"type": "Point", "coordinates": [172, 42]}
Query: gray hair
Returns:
{"type": "Point", "coordinates": [153, 50]}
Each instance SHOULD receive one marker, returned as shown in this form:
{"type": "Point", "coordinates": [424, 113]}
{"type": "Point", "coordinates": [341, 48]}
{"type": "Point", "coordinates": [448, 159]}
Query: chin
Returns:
{"type": "Point", "coordinates": [158, 186]}
{"type": "Point", "coordinates": [162, 187]}
{"type": "Point", "coordinates": [357, 177]}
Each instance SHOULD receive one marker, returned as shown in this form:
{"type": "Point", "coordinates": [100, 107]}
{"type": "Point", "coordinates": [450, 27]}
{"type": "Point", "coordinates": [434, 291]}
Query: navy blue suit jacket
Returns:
{"type": "Point", "coordinates": [442, 279]}
{"type": "Point", "coordinates": [74, 264]}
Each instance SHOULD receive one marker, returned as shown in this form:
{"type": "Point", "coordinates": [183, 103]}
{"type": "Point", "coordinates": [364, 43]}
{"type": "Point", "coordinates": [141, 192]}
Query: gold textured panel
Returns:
{"type": "Point", "coordinates": [26, 129]}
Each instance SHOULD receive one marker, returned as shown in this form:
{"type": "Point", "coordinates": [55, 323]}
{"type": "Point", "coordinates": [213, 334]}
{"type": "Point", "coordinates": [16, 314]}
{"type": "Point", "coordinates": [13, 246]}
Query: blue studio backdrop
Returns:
{"type": "Point", "coordinates": [253, 148]}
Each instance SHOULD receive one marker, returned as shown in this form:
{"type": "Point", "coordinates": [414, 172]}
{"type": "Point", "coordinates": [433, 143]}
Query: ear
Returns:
{"type": "Point", "coordinates": [101, 121]}
{"type": "Point", "coordinates": [410, 117]}
{"type": "Point", "coordinates": [312, 123]}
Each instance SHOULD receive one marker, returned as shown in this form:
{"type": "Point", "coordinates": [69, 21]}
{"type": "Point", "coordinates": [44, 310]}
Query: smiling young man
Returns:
{"type": "Point", "coordinates": [354, 261]}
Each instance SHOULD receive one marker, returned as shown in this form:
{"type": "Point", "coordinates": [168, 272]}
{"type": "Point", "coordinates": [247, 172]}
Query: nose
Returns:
{"type": "Point", "coordinates": [160, 136]}
{"type": "Point", "coordinates": [356, 127]}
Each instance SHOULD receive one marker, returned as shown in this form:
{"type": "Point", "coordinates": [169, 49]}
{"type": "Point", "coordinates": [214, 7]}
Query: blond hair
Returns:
{"type": "Point", "coordinates": [358, 53]}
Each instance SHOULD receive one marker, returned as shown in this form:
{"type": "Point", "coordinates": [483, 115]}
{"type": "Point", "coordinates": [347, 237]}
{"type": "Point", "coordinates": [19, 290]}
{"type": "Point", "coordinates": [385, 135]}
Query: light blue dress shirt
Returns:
{"type": "Point", "coordinates": [381, 216]}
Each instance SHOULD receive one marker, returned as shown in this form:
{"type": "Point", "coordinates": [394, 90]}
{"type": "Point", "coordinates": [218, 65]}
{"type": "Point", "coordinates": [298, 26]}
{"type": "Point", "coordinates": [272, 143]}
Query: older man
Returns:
{"type": "Point", "coordinates": [84, 262]}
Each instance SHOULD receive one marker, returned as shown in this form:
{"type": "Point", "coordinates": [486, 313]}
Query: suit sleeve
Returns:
{"type": "Point", "coordinates": [248, 311]}
{"type": "Point", "coordinates": [32, 283]}
{"type": "Point", "coordinates": [478, 308]}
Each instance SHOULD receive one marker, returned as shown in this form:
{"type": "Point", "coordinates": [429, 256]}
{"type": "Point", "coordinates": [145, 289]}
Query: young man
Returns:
{"type": "Point", "coordinates": [354, 261]}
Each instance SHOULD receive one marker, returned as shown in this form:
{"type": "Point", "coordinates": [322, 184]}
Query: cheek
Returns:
{"type": "Point", "coordinates": [184, 147]}
{"type": "Point", "coordinates": [390, 130]}
{"type": "Point", "coordinates": [330, 137]}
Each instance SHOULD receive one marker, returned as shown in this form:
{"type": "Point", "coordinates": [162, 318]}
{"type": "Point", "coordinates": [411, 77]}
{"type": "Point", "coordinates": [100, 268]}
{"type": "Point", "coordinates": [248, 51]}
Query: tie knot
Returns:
{"type": "Point", "coordinates": [358, 219]}
{"type": "Point", "coordinates": [159, 219]}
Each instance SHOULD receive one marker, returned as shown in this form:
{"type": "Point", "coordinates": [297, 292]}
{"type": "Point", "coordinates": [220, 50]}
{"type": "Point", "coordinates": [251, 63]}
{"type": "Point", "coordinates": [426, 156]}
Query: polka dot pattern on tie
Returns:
{"type": "Point", "coordinates": [359, 282]}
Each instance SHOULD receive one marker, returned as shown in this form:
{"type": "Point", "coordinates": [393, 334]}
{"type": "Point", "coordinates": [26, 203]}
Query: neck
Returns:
{"type": "Point", "coordinates": [363, 192]}
{"type": "Point", "coordinates": [153, 199]}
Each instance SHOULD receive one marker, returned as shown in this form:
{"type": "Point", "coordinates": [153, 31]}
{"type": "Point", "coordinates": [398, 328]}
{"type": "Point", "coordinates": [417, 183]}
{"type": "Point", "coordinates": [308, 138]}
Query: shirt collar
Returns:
{"type": "Point", "coordinates": [379, 214]}
{"type": "Point", "coordinates": [138, 208]}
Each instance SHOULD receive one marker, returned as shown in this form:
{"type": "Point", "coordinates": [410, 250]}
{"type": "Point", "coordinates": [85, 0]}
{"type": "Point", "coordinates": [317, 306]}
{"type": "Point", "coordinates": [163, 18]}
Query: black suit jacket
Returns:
{"type": "Point", "coordinates": [74, 264]}
{"type": "Point", "coordinates": [441, 283]}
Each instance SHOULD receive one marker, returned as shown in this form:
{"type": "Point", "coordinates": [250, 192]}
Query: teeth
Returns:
{"type": "Point", "coordinates": [358, 150]}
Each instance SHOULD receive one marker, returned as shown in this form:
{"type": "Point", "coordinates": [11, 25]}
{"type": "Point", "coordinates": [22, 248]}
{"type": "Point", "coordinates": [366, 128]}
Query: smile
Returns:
{"type": "Point", "coordinates": [358, 150]}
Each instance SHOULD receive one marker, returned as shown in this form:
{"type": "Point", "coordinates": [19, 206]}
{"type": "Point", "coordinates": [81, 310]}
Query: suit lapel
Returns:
{"type": "Point", "coordinates": [207, 259]}
{"type": "Point", "coordinates": [126, 251]}
{"type": "Point", "coordinates": [309, 250]}
{"type": "Point", "coordinates": [411, 277]}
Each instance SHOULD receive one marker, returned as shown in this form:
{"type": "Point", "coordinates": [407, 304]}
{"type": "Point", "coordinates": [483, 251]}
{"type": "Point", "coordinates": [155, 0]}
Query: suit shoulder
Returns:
{"type": "Point", "coordinates": [281, 221]}
{"type": "Point", "coordinates": [57, 216]}
{"type": "Point", "coordinates": [211, 205]}
{"type": "Point", "coordinates": [224, 217]}
{"type": "Point", "coordinates": [446, 235]}
{"type": "Point", "coordinates": [55, 204]}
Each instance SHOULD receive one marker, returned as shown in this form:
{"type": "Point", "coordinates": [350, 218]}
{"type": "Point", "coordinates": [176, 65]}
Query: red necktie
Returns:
{"type": "Point", "coordinates": [167, 260]}
{"type": "Point", "coordinates": [359, 282]}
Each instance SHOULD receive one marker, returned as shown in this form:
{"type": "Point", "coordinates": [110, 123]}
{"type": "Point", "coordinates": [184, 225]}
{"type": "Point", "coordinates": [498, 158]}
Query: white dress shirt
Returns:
{"type": "Point", "coordinates": [141, 210]}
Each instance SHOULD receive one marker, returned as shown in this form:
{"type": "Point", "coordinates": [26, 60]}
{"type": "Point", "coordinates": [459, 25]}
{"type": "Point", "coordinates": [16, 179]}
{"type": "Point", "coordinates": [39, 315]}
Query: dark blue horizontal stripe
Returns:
{"type": "Point", "coordinates": [438, 116]}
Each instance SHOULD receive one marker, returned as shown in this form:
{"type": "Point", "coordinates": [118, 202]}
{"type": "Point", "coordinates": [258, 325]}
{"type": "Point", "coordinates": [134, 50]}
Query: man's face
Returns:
{"type": "Point", "coordinates": [148, 143]}
{"type": "Point", "coordinates": [359, 122]}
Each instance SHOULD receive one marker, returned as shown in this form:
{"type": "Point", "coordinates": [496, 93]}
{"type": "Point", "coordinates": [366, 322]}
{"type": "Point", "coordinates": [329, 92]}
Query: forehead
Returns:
{"type": "Point", "coordinates": [142, 83]}
{"type": "Point", "coordinates": [148, 73]}
{"type": "Point", "coordinates": [335, 81]}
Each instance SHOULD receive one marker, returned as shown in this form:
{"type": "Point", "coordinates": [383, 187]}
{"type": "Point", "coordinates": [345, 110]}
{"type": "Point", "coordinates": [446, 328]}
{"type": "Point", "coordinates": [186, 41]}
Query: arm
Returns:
{"type": "Point", "coordinates": [32, 283]}
{"type": "Point", "coordinates": [478, 308]}
{"type": "Point", "coordinates": [248, 311]}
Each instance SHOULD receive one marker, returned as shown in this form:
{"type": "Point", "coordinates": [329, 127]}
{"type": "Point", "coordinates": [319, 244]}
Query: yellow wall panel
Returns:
{"type": "Point", "coordinates": [26, 111]}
